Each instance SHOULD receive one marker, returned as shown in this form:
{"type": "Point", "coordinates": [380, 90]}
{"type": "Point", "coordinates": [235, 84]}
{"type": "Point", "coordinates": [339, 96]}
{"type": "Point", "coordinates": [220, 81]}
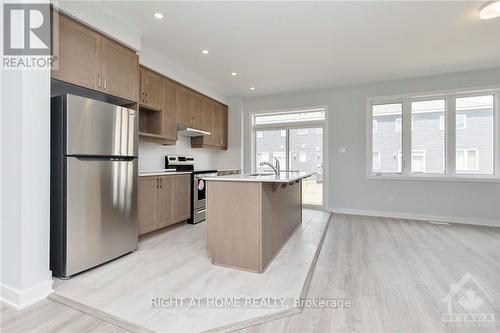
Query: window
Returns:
{"type": "Point", "coordinates": [476, 117]}
{"type": "Point", "coordinates": [423, 148]}
{"type": "Point", "coordinates": [442, 123]}
{"type": "Point", "coordinates": [302, 131]}
{"type": "Point", "coordinates": [467, 160]}
{"type": "Point", "coordinates": [426, 137]}
{"type": "Point", "coordinates": [303, 156]}
{"type": "Point", "coordinates": [398, 125]}
{"type": "Point", "coordinates": [418, 161]}
{"type": "Point", "coordinates": [259, 134]}
{"type": "Point", "coordinates": [385, 141]}
{"type": "Point", "coordinates": [273, 145]}
{"type": "Point", "coordinates": [283, 132]}
{"type": "Point", "coordinates": [319, 130]}
{"type": "Point", "coordinates": [376, 160]}
{"type": "Point", "coordinates": [262, 156]}
{"type": "Point", "coordinates": [461, 121]}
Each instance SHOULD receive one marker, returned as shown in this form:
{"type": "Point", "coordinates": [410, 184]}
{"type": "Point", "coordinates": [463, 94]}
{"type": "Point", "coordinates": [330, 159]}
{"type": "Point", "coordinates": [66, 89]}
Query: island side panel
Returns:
{"type": "Point", "coordinates": [281, 215]}
{"type": "Point", "coordinates": [234, 224]}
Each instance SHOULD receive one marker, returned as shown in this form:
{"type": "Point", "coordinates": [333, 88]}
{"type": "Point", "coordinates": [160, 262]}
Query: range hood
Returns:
{"type": "Point", "coordinates": [188, 131]}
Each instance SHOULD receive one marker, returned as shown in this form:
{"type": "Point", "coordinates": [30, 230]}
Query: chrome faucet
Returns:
{"type": "Point", "coordinates": [276, 168]}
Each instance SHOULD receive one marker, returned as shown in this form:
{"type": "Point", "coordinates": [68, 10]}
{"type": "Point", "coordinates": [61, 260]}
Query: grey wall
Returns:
{"type": "Point", "coordinates": [350, 190]}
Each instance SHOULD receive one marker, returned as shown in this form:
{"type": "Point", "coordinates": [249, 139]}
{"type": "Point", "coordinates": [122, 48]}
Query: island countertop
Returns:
{"type": "Point", "coordinates": [283, 177]}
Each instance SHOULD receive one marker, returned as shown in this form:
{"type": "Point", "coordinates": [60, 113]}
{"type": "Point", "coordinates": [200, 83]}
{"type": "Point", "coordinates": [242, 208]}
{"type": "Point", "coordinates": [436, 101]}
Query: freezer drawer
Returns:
{"type": "Point", "coordinates": [101, 218]}
{"type": "Point", "coordinates": [97, 128]}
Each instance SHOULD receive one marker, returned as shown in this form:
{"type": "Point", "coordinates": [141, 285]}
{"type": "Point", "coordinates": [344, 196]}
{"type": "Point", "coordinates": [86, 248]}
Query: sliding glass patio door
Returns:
{"type": "Point", "coordinates": [297, 149]}
{"type": "Point", "coordinates": [306, 154]}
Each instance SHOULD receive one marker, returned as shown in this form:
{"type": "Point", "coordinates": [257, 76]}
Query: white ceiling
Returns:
{"type": "Point", "coordinates": [286, 46]}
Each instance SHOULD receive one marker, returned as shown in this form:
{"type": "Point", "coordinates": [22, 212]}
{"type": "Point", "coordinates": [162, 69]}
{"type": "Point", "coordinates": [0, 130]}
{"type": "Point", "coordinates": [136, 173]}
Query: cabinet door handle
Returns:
{"type": "Point", "coordinates": [161, 183]}
{"type": "Point", "coordinates": [104, 83]}
{"type": "Point", "coordinates": [157, 183]}
{"type": "Point", "coordinates": [98, 80]}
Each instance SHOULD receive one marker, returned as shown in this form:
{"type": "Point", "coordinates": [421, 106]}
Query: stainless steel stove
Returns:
{"type": "Point", "coordinates": [198, 193]}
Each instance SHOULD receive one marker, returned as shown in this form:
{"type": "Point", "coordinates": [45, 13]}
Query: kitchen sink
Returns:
{"type": "Point", "coordinates": [261, 174]}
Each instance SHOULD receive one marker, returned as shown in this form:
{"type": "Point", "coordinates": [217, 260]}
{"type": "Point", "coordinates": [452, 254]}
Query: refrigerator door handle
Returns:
{"type": "Point", "coordinates": [103, 158]}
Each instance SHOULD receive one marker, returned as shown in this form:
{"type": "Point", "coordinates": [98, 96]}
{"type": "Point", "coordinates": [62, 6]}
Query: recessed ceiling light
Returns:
{"type": "Point", "coordinates": [490, 10]}
{"type": "Point", "coordinates": [159, 15]}
{"type": "Point", "coordinates": [204, 51]}
{"type": "Point", "coordinates": [252, 88]}
{"type": "Point", "coordinates": [234, 73]}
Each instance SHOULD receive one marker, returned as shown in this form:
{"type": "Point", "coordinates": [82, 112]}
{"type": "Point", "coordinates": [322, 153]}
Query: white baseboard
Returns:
{"type": "Point", "coordinates": [420, 217]}
{"type": "Point", "coordinates": [19, 299]}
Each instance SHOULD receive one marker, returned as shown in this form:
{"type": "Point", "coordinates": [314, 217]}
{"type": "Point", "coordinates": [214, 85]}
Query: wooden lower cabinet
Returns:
{"type": "Point", "coordinates": [163, 200]}
{"type": "Point", "coordinates": [148, 198]}
{"type": "Point", "coordinates": [165, 204]}
{"type": "Point", "coordinates": [182, 197]}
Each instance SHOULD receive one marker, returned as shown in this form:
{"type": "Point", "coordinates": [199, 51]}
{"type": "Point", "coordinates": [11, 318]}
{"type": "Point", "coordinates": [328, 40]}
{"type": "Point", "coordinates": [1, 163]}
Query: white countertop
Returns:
{"type": "Point", "coordinates": [284, 177]}
{"type": "Point", "coordinates": [162, 172]}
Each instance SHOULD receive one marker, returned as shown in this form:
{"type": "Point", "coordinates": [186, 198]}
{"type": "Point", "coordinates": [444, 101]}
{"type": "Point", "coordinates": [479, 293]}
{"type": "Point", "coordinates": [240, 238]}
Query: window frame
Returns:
{"type": "Point", "coordinates": [450, 173]}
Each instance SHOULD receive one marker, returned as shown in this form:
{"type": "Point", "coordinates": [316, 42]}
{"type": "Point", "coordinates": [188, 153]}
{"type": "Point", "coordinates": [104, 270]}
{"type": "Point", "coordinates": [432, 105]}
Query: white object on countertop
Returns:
{"type": "Point", "coordinates": [284, 177]}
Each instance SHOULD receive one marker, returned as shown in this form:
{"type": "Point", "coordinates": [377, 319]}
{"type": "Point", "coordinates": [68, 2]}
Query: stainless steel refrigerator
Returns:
{"type": "Point", "coordinates": [93, 183]}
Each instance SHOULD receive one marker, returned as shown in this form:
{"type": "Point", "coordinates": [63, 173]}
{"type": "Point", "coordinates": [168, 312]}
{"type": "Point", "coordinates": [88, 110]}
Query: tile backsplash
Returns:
{"type": "Point", "coordinates": [152, 156]}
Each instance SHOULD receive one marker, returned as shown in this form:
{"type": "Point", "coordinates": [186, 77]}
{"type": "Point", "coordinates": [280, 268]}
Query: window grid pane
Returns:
{"type": "Point", "coordinates": [386, 141]}
{"type": "Point", "coordinates": [474, 135]}
{"type": "Point", "coordinates": [428, 140]}
{"type": "Point", "coordinates": [308, 115]}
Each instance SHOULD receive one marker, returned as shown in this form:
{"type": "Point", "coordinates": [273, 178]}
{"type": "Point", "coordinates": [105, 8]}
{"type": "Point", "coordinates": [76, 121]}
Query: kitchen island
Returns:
{"type": "Point", "coordinates": [251, 216]}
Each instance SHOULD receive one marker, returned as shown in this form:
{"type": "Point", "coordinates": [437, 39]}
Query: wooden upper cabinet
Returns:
{"type": "Point", "coordinates": [169, 110]}
{"type": "Point", "coordinates": [195, 111]}
{"type": "Point", "coordinates": [181, 197]}
{"type": "Point", "coordinates": [224, 127]}
{"type": "Point", "coordinates": [216, 126]}
{"type": "Point", "coordinates": [79, 58]}
{"type": "Point", "coordinates": [90, 60]}
{"type": "Point", "coordinates": [215, 117]}
{"type": "Point", "coordinates": [151, 90]}
{"type": "Point", "coordinates": [207, 108]}
{"type": "Point", "coordinates": [182, 100]}
{"type": "Point", "coordinates": [119, 68]}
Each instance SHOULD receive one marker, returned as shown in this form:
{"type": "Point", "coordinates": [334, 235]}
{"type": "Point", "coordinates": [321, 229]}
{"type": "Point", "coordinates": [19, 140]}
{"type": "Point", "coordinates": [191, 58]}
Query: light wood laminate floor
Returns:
{"type": "Point", "coordinates": [396, 273]}
{"type": "Point", "coordinates": [174, 263]}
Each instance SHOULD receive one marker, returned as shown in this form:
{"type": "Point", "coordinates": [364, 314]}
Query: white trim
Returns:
{"type": "Point", "coordinates": [418, 217]}
{"type": "Point", "coordinates": [20, 299]}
